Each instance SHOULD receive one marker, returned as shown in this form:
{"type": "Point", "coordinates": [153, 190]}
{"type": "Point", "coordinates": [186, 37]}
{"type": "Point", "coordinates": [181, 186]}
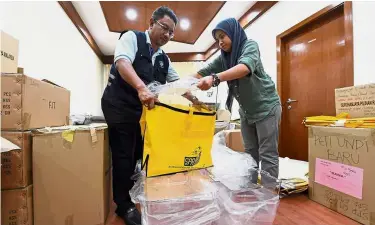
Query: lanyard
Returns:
{"type": "Point", "coordinates": [151, 50]}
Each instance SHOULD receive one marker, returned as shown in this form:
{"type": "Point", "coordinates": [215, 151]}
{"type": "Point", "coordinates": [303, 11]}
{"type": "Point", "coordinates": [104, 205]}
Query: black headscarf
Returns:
{"type": "Point", "coordinates": [238, 37]}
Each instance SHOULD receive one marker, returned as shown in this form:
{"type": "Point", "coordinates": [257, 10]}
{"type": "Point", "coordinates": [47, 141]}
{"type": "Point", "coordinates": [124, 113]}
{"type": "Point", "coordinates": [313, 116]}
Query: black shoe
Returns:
{"type": "Point", "coordinates": [131, 216]}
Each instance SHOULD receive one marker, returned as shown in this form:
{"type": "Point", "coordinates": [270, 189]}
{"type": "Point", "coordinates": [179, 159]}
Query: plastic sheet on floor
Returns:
{"type": "Point", "coordinates": [246, 196]}
{"type": "Point", "coordinates": [250, 204]}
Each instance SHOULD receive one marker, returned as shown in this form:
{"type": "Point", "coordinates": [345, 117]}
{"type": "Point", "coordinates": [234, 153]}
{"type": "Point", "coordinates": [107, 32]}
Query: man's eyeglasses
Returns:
{"type": "Point", "coordinates": [166, 29]}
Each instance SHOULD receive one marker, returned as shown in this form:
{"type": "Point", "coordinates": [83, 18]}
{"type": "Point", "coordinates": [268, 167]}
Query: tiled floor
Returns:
{"type": "Point", "coordinates": [293, 210]}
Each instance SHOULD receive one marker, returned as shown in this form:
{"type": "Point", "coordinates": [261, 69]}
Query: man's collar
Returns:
{"type": "Point", "coordinates": [148, 40]}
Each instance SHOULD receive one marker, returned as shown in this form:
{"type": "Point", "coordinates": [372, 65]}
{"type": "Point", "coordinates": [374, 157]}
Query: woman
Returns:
{"type": "Point", "coordinates": [260, 110]}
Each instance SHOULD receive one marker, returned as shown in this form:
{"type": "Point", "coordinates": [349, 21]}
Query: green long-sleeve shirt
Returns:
{"type": "Point", "coordinates": [256, 92]}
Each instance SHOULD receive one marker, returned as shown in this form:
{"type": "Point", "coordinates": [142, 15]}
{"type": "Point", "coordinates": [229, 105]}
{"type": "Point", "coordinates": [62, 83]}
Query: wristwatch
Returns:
{"type": "Point", "coordinates": [216, 80]}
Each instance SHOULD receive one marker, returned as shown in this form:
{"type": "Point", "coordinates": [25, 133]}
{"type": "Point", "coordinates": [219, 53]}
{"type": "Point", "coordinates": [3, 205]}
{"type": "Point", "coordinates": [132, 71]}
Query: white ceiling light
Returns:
{"type": "Point", "coordinates": [185, 24]}
{"type": "Point", "coordinates": [131, 14]}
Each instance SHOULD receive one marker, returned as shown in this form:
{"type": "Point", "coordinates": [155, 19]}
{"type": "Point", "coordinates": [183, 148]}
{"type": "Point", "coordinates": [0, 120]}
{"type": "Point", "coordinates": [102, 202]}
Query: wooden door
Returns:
{"type": "Point", "coordinates": [313, 65]}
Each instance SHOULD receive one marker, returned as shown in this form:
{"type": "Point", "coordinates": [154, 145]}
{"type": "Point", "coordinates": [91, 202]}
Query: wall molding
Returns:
{"type": "Point", "coordinates": [72, 13]}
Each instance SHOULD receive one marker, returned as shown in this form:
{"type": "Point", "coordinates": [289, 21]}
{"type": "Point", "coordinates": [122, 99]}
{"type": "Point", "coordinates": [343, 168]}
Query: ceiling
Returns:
{"type": "Point", "coordinates": [101, 22]}
{"type": "Point", "coordinates": [198, 15]}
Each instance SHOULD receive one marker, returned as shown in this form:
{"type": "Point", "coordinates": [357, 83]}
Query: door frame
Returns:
{"type": "Point", "coordinates": [281, 39]}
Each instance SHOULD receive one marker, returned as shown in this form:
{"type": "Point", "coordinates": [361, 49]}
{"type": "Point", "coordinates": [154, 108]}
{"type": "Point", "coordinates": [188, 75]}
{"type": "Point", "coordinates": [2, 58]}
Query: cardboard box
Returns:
{"type": "Point", "coordinates": [9, 53]}
{"type": "Point", "coordinates": [17, 206]}
{"type": "Point", "coordinates": [28, 103]}
{"type": "Point", "coordinates": [16, 165]}
{"type": "Point", "coordinates": [358, 101]}
{"type": "Point", "coordinates": [233, 139]}
{"type": "Point", "coordinates": [341, 171]}
{"type": "Point", "coordinates": [71, 174]}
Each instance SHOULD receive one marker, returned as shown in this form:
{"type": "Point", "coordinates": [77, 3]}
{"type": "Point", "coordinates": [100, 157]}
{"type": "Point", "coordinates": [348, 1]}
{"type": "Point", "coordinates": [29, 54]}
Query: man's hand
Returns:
{"type": "Point", "coordinates": [147, 97]}
{"type": "Point", "coordinates": [196, 103]}
{"type": "Point", "coordinates": [200, 105]}
{"type": "Point", "coordinates": [205, 83]}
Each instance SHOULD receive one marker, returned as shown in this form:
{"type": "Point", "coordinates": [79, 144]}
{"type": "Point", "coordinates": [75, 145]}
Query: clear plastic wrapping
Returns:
{"type": "Point", "coordinates": [195, 216]}
{"type": "Point", "coordinates": [179, 87]}
{"type": "Point", "coordinates": [183, 198]}
{"type": "Point", "coordinates": [252, 204]}
{"type": "Point", "coordinates": [221, 125]}
{"type": "Point", "coordinates": [229, 163]}
{"type": "Point", "coordinates": [242, 198]}
{"type": "Point", "coordinates": [227, 194]}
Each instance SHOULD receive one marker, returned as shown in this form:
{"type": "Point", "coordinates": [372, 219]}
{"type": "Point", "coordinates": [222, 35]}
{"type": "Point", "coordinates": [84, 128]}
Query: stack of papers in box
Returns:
{"type": "Point", "coordinates": [342, 120]}
{"type": "Point", "coordinates": [293, 176]}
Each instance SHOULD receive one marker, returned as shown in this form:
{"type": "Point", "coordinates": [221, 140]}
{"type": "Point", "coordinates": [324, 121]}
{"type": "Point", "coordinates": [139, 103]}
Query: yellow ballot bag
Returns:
{"type": "Point", "coordinates": [177, 138]}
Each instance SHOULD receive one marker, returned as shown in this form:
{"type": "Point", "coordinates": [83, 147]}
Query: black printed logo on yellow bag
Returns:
{"type": "Point", "coordinates": [193, 158]}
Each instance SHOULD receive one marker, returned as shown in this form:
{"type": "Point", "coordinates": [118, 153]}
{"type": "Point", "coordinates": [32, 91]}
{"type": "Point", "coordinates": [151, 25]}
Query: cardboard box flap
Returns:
{"type": "Point", "coordinates": [50, 82]}
{"type": "Point", "coordinates": [340, 131]}
{"type": "Point", "coordinates": [67, 132]}
{"type": "Point", "coordinates": [358, 101]}
{"type": "Point", "coordinates": [50, 130]}
{"type": "Point", "coordinates": [9, 47]}
{"type": "Point", "coordinates": [7, 146]}
{"type": "Point", "coordinates": [21, 73]}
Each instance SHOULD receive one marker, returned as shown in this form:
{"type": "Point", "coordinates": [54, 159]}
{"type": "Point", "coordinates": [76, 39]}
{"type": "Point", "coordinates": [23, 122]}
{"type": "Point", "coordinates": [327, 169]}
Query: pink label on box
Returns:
{"type": "Point", "coordinates": [341, 177]}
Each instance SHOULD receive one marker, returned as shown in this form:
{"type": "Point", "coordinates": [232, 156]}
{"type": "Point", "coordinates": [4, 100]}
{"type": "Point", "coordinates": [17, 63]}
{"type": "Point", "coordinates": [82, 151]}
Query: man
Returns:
{"type": "Point", "coordinates": [138, 61]}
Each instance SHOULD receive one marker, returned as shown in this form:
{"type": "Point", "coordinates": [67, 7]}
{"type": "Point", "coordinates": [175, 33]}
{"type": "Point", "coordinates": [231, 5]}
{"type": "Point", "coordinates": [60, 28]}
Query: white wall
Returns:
{"type": "Point", "coordinates": [364, 41]}
{"type": "Point", "coordinates": [52, 48]}
{"type": "Point", "coordinates": [187, 68]}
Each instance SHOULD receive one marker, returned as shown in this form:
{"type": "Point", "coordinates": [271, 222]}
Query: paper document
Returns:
{"type": "Point", "coordinates": [7, 146]}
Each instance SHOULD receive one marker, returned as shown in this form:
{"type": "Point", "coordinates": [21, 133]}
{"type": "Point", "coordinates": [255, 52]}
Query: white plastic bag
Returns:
{"type": "Point", "coordinates": [228, 162]}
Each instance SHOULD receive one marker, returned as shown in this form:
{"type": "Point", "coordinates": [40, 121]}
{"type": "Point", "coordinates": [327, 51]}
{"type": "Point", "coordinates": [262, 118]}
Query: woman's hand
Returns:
{"type": "Point", "coordinates": [205, 83]}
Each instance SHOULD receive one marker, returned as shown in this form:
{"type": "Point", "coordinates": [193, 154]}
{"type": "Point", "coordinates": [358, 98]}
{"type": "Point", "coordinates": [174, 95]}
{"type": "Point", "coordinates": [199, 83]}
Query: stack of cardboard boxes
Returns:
{"type": "Point", "coordinates": [16, 173]}
{"type": "Point", "coordinates": [26, 104]}
{"type": "Point", "coordinates": [53, 174]}
{"type": "Point", "coordinates": [341, 159]}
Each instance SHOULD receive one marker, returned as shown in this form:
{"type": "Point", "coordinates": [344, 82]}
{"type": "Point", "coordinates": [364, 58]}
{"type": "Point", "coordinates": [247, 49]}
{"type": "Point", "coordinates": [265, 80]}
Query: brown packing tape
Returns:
{"type": "Point", "coordinates": [27, 195]}
{"type": "Point", "coordinates": [20, 70]}
{"type": "Point", "coordinates": [373, 136]}
{"type": "Point", "coordinates": [94, 137]}
{"type": "Point", "coordinates": [333, 205]}
{"type": "Point", "coordinates": [372, 218]}
{"type": "Point", "coordinates": [312, 188]}
{"type": "Point", "coordinates": [69, 220]}
{"type": "Point", "coordinates": [67, 144]}
{"type": "Point", "coordinates": [26, 118]}
{"type": "Point", "coordinates": [310, 132]}
{"type": "Point", "coordinates": [341, 131]}
{"type": "Point", "coordinates": [20, 79]}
